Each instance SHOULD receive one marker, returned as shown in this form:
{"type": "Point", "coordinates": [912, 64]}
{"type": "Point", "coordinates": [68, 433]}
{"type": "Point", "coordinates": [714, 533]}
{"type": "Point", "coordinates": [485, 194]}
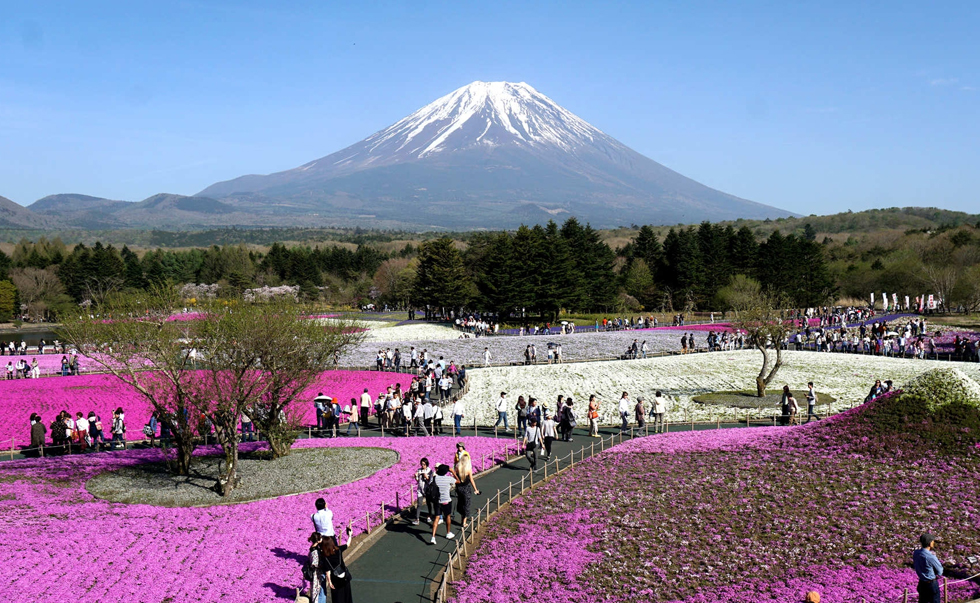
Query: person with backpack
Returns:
{"type": "Point", "coordinates": [95, 430]}
{"type": "Point", "coordinates": [532, 437]}
{"type": "Point", "coordinates": [521, 408]}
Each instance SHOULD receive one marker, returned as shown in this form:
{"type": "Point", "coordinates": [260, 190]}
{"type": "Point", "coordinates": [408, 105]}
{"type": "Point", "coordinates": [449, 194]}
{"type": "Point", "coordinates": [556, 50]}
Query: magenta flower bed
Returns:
{"type": "Point", "coordinates": [62, 544]}
{"type": "Point", "coordinates": [761, 514]}
{"type": "Point", "coordinates": [104, 393]}
{"type": "Point", "coordinates": [50, 364]}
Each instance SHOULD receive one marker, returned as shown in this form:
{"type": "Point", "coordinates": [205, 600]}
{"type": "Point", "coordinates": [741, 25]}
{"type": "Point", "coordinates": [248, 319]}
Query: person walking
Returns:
{"type": "Point", "coordinates": [593, 417]}
{"type": "Point", "coordinates": [532, 437]}
{"type": "Point", "coordinates": [353, 417]}
{"type": "Point", "coordinates": [549, 433]}
{"type": "Point", "coordinates": [811, 402]}
{"type": "Point", "coordinates": [794, 410]}
{"type": "Point", "coordinates": [502, 411]}
{"type": "Point", "coordinates": [465, 484]}
{"type": "Point", "coordinates": [784, 406]}
{"type": "Point", "coordinates": [568, 421]}
{"type": "Point", "coordinates": [624, 411]}
{"type": "Point", "coordinates": [118, 429]}
{"type": "Point", "coordinates": [639, 413]}
{"type": "Point", "coordinates": [445, 480]}
{"type": "Point", "coordinates": [320, 405]}
{"type": "Point", "coordinates": [423, 475]}
{"type": "Point", "coordinates": [928, 569]}
{"type": "Point", "coordinates": [487, 356]}
{"type": "Point", "coordinates": [458, 413]}
{"type": "Point", "coordinates": [521, 408]}
{"type": "Point", "coordinates": [659, 410]}
{"type": "Point", "coordinates": [365, 408]}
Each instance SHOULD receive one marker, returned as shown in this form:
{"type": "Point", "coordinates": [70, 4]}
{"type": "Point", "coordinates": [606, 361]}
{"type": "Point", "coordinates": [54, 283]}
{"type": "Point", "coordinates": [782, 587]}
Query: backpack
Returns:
{"type": "Point", "coordinates": [571, 418]}
{"type": "Point", "coordinates": [308, 570]}
{"type": "Point", "coordinates": [432, 491]}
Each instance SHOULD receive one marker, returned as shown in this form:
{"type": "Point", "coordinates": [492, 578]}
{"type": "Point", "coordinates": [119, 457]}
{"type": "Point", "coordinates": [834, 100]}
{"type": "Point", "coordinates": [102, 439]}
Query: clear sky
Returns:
{"type": "Point", "coordinates": [814, 107]}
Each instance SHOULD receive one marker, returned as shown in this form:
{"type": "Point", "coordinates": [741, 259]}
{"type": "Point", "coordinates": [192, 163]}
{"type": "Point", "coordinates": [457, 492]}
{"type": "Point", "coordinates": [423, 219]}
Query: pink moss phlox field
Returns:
{"type": "Point", "coordinates": [104, 393]}
{"type": "Point", "coordinates": [761, 514]}
{"type": "Point", "coordinates": [62, 544]}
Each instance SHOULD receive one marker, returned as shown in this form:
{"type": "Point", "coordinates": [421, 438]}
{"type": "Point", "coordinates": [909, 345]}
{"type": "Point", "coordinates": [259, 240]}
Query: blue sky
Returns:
{"type": "Point", "coordinates": [812, 107]}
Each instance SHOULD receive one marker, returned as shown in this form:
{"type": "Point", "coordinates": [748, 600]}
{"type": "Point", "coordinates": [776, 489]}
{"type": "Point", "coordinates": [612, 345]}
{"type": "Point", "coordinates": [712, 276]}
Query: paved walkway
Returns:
{"type": "Point", "coordinates": [401, 566]}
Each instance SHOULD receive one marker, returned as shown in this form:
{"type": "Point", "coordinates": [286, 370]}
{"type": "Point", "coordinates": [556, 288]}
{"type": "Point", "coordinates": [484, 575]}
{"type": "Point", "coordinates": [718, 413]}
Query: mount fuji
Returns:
{"type": "Point", "coordinates": [488, 155]}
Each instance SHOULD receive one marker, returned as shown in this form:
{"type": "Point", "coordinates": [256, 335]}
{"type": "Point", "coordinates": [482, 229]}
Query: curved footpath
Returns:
{"type": "Point", "coordinates": [401, 566]}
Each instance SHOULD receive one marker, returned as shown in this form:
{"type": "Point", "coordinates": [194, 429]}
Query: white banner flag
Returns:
{"type": "Point", "coordinates": [884, 301]}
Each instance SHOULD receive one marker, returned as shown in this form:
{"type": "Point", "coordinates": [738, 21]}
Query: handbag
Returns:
{"type": "Point", "coordinates": [339, 574]}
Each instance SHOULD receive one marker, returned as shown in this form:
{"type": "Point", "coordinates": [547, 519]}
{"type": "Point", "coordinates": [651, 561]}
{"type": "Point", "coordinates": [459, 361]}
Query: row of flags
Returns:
{"type": "Point", "coordinates": [922, 303]}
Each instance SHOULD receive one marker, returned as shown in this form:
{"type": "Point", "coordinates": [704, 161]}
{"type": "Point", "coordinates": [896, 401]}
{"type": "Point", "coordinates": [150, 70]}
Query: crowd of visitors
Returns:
{"type": "Point", "coordinates": [81, 433]}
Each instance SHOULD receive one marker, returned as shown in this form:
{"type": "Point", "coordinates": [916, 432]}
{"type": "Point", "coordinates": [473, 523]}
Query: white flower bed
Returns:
{"type": "Point", "coordinates": [846, 377]}
{"type": "Point", "coordinates": [411, 332]}
{"type": "Point", "coordinates": [510, 348]}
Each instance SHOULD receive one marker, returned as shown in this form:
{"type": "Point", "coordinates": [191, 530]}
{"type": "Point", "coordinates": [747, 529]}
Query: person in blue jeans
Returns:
{"type": "Point", "coordinates": [928, 569]}
{"type": "Point", "coordinates": [458, 416]}
{"type": "Point", "coordinates": [502, 411]}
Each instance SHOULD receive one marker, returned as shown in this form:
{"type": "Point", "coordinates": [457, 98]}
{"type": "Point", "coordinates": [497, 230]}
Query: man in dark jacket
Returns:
{"type": "Point", "coordinates": [38, 432]}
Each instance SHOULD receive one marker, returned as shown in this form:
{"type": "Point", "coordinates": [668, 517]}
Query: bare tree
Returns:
{"type": "Point", "coordinates": [761, 318]}
{"type": "Point", "coordinates": [130, 337]}
{"type": "Point", "coordinates": [37, 288]}
{"type": "Point", "coordinates": [259, 359]}
{"type": "Point", "coordinates": [941, 279]}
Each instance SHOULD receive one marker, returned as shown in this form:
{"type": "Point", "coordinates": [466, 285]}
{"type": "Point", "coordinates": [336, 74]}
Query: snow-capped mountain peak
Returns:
{"type": "Point", "coordinates": [481, 113]}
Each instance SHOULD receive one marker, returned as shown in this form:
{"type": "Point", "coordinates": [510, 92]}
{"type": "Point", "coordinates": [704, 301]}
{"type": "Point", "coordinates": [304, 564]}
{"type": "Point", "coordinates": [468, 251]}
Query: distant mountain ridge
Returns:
{"type": "Point", "coordinates": [489, 155]}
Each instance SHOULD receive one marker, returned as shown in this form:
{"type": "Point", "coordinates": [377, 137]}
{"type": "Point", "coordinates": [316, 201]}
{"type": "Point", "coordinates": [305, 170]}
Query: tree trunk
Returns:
{"type": "Point", "coordinates": [184, 448]}
{"type": "Point", "coordinates": [229, 479]}
{"type": "Point", "coordinates": [761, 381]}
{"type": "Point", "coordinates": [775, 367]}
{"type": "Point", "coordinates": [278, 445]}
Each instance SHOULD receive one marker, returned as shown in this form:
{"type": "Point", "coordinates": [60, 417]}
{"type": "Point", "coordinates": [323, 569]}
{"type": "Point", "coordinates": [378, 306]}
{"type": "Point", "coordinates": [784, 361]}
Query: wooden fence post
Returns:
{"type": "Point", "coordinates": [367, 522]}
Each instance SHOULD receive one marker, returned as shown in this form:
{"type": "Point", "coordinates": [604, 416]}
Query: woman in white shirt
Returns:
{"type": "Point", "coordinates": [532, 438]}
{"type": "Point", "coordinates": [549, 429]}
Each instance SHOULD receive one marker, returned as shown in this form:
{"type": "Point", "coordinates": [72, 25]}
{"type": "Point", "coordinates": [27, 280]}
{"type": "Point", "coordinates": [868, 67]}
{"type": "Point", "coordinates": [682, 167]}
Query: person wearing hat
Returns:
{"type": "Point", "coordinates": [928, 569]}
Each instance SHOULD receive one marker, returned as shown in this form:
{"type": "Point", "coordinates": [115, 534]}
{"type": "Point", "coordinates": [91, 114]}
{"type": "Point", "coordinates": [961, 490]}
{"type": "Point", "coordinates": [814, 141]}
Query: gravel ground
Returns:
{"type": "Point", "coordinates": [509, 349]}
{"type": "Point", "coordinates": [772, 399]}
{"type": "Point", "coordinates": [305, 470]}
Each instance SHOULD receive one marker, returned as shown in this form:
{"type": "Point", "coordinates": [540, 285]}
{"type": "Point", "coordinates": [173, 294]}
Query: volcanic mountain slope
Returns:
{"type": "Point", "coordinates": [490, 154]}
{"type": "Point", "coordinates": [16, 216]}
